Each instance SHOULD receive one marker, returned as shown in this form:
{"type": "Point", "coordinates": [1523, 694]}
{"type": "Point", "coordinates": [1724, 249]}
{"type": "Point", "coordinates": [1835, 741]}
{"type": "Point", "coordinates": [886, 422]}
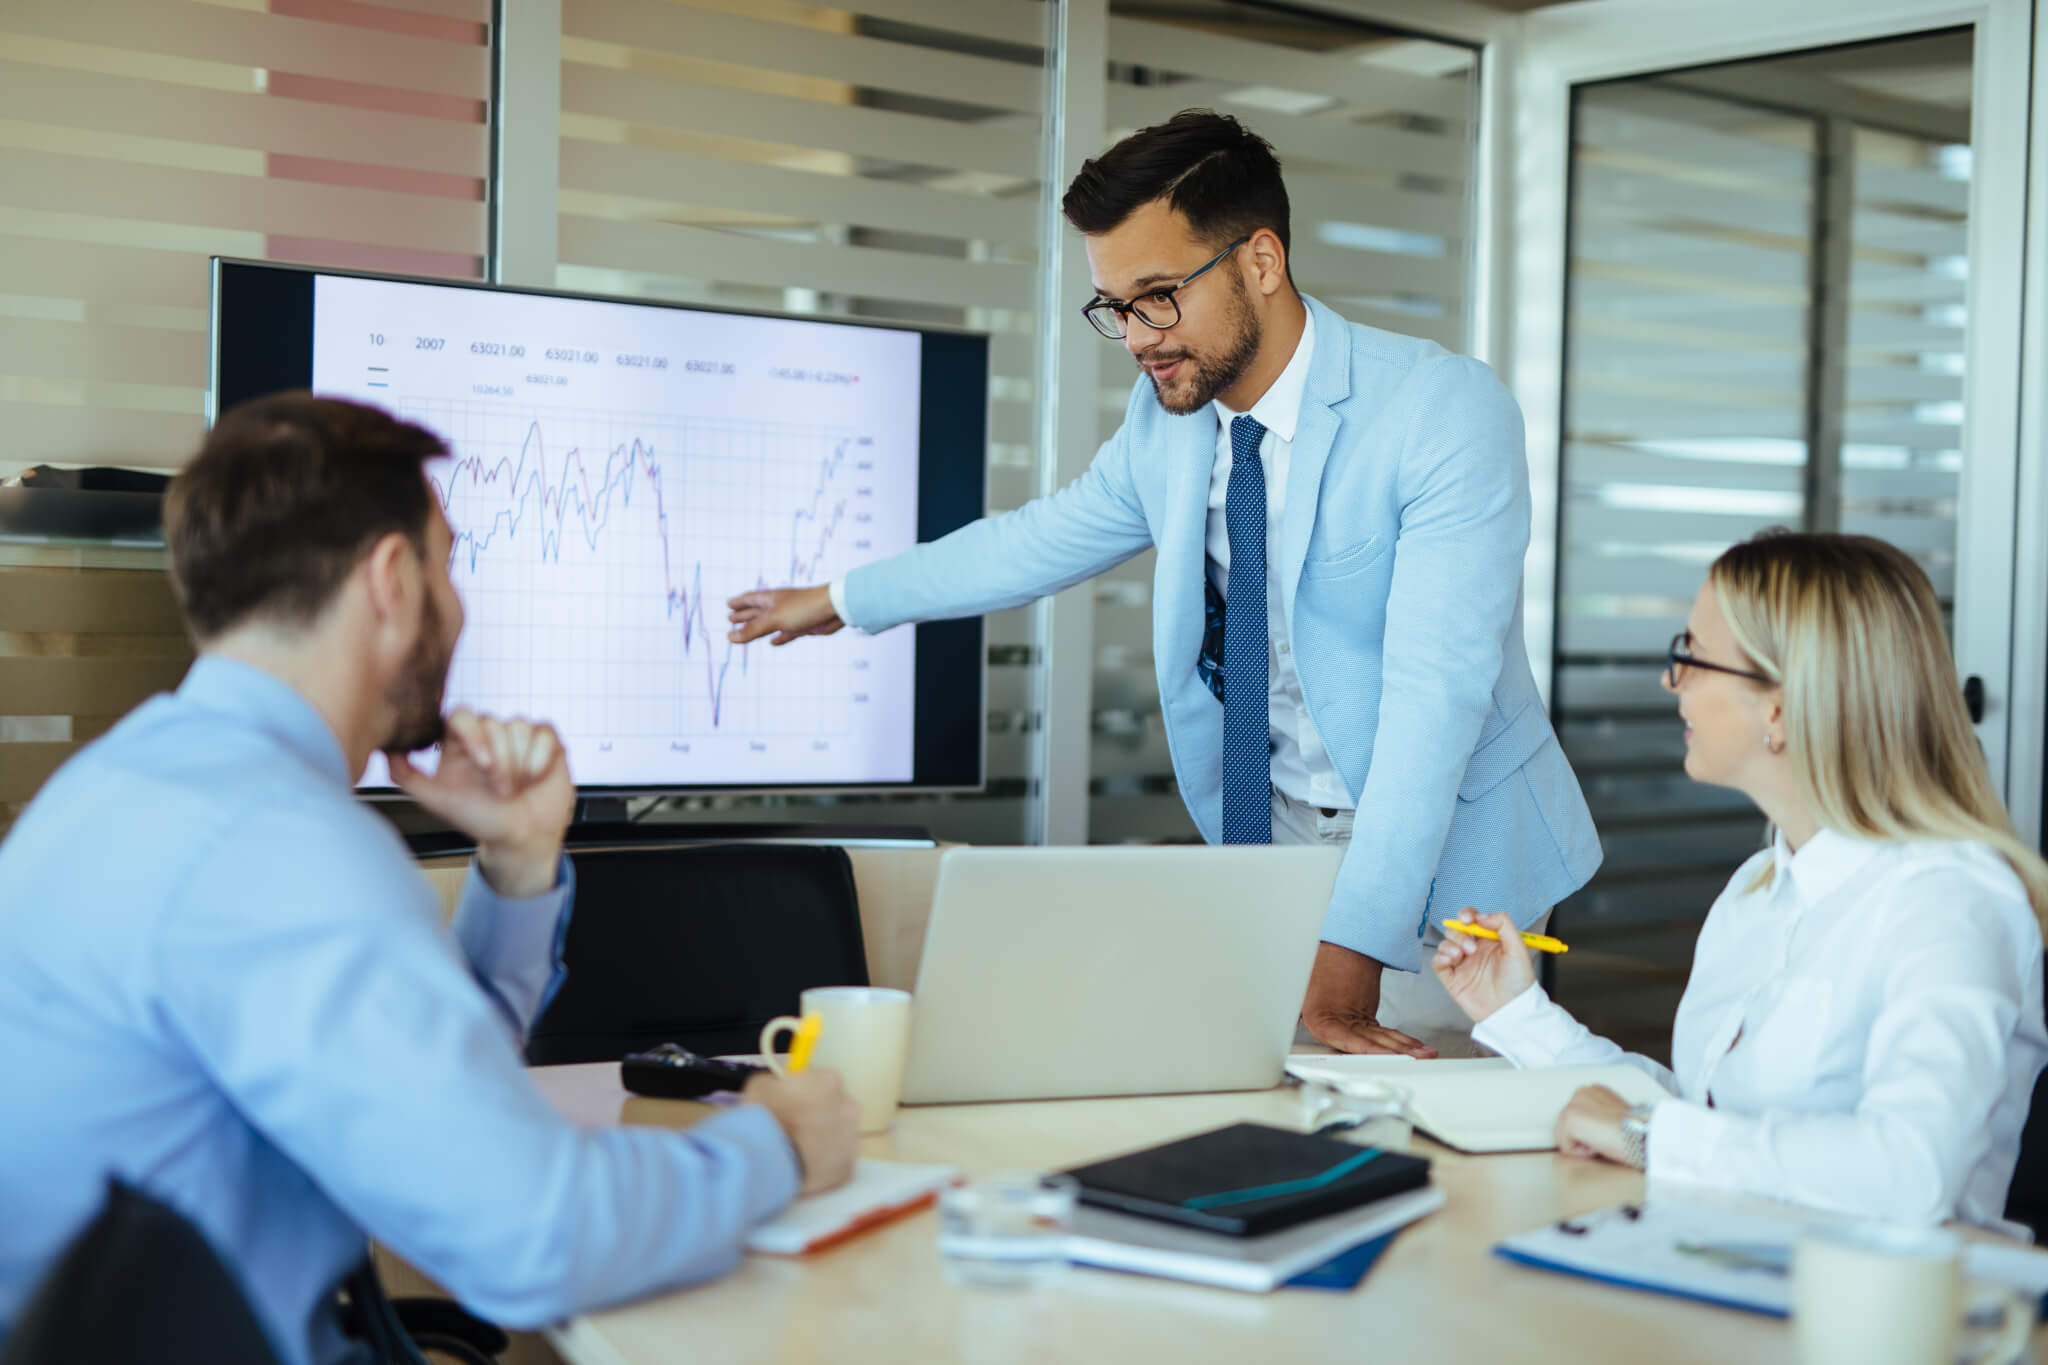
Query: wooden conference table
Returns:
{"type": "Point", "coordinates": [1436, 1295]}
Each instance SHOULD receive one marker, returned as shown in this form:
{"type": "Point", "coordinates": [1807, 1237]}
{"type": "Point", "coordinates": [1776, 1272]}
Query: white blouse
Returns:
{"type": "Point", "coordinates": [1860, 1034]}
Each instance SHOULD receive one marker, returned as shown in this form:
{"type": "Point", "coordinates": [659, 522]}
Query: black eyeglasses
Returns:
{"type": "Point", "coordinates": [1679, 659]}
{"type": "Point", "coordinates": [1157, 309]}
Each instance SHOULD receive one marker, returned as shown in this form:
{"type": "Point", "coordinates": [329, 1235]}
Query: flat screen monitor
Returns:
{"type": "Point", "coordinates": [619, 468]}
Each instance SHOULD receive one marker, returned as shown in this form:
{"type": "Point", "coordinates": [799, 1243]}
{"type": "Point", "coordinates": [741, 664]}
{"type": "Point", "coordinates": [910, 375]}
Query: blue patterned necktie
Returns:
{"type": "Point", "coordinates": [1247, 726]}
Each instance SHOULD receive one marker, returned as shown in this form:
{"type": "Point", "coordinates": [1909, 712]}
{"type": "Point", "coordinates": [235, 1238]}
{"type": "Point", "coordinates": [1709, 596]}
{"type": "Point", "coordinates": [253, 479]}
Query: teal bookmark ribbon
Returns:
{"type": "Point", "coordinates": [1310, 1182]}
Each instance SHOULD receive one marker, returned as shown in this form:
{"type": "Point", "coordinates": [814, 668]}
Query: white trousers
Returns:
{"type": "Point", "coordinates": [1416, 1003]}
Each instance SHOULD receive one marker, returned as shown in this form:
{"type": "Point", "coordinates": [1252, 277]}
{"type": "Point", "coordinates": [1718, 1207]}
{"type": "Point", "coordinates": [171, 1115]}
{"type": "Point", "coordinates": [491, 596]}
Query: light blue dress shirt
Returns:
{"type": "Point", "coordinates": [223, 979]}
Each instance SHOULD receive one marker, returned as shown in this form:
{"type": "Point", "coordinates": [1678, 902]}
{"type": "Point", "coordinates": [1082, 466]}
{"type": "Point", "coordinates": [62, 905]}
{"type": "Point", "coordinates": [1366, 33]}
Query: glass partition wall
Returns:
{"type": "Point", "coordinates": [877, 160]}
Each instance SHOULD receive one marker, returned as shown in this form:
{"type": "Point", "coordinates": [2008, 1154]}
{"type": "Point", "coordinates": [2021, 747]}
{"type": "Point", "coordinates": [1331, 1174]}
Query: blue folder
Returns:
{"type": "Point", "coordinates": [1343, 1271]}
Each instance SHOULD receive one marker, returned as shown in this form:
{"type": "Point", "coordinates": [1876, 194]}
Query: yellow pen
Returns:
{"type": "Point", "coordinates": [806, 1039]}
{"type": "Point", "coordinates": [1542, 943]}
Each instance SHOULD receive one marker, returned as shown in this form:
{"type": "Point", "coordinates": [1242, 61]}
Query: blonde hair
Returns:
{"type": "Point", "coordinates": [1875, 724]}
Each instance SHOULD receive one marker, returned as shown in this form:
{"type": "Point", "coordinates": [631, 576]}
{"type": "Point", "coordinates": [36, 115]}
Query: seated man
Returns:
{"type": "Point", "coordinates": [223, 979]}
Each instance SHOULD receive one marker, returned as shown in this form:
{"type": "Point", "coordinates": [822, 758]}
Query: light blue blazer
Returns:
{"type": "Point", "coordinates": [1399, 563]}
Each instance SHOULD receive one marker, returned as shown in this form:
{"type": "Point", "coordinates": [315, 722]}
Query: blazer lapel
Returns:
{"type": "Point", "coordinates": [1177, 582]}
{"type": "Point", "coordinates": [1329, 383]}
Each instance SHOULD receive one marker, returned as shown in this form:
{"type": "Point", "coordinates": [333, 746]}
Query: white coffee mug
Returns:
{"type": "Point", "coordinates": [864, 1036]}
{"type": "Point", "coordinates": [1880, 1294]}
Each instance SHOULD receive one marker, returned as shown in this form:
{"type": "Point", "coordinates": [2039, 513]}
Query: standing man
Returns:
{"type": "Point", "coordinates": [1340, 515]}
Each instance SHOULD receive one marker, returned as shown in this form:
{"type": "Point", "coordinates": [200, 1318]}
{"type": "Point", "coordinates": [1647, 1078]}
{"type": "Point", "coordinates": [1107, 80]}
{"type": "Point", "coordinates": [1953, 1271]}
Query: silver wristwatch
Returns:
{"type": "Point", "coordinates": [1635, 1137]}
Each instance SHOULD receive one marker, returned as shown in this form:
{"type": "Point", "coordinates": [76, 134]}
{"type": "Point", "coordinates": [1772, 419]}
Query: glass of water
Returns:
{"type": "Point", "coordinates": [1375, 1114]}
{"type": "Point", "coordinates": [1006, 1229]}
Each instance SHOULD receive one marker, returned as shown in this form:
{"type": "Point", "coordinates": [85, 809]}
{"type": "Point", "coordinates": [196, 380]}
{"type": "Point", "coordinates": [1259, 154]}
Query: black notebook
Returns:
{"type": "Point", "coordinates": [1247, 1179]}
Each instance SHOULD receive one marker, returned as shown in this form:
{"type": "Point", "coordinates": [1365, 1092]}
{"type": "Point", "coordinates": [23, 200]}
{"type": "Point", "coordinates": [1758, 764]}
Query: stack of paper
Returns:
{"type": "Point", "coordinates": [1146, 1246]}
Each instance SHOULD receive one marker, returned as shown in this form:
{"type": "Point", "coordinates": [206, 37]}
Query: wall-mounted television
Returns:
{"type": "Point", "coordinates": [620, 468]}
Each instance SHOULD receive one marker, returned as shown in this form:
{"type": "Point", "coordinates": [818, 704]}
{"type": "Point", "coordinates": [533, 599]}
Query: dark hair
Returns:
{"type": "Point", "coordinates": [287, 493]}
{"type": "Point", "coordinates": [1218, 174]}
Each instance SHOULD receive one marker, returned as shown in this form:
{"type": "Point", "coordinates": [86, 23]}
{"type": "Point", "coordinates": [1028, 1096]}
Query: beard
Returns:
{"type": "Point", "coordinates": [1206, 376]}
{"type": "Point", "coordinates": [418, 692]}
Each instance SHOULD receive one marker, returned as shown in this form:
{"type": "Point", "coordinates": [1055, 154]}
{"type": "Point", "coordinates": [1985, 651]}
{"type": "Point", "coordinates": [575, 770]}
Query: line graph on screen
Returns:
{"type": "Point", "coordinates": [594, 552]}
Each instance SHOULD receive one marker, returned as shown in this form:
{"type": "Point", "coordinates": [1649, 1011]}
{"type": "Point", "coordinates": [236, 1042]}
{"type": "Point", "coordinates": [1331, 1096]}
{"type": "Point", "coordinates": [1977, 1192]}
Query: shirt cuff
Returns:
{"type": "Point", "coordinates": [514, 945]}
{"type": "Point", "coordinates": [836, 590]}
{"type": "Point", "coordinates": [1683, 1140]}
{"type": "Point", "coordinates": [1530, 1030]}
{"type": "Point", "coordinates": [774, 1173]}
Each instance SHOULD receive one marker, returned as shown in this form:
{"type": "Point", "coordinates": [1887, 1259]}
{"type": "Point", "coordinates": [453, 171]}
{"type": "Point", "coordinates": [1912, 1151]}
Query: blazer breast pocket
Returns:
{"type": "Point", "coordinates": [1345, 562]}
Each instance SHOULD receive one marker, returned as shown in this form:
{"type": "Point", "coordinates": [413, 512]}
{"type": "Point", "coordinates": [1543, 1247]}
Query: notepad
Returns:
{"type": "Point", "coordinates": [1728, 1257]}
{"type": "Point", "coordinates": [1642, 1247]}
{"type": "Point", "coordinates": [879, 1191]}
{"type": "Point", "coordinates": [1476, 1104]}
{"type": "Point", "coordinates": [1247, 1179]}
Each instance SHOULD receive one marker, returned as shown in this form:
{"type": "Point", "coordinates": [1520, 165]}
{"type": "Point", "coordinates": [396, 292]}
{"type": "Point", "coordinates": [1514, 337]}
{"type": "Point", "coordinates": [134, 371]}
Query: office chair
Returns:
{"type": "Point", "coordinates": [176, 1299]}
{"type": "Point", "coordinates": [406, 1331]}
{"type": "Point", "coordinates": [699, 945]}
{"type": "Point", "coordinates": [180, 1302]}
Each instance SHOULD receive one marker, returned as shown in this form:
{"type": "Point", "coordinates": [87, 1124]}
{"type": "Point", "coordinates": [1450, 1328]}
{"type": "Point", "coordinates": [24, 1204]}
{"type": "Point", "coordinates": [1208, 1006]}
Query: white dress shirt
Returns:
{"type": "Point", "coordinates": [1301, 766]}
{"type": "Point", "coordinates": [1861, 1034]}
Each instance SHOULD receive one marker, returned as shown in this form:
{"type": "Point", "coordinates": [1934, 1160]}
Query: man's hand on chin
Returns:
{"type": "Point", "coordinates": [505, 782]}
{"type": "Point", "coordinates": [1343, 996]}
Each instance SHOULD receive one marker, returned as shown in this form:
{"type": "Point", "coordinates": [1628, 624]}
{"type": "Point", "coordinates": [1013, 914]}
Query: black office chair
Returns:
{"type": "Point", "coordinates": [699, 945]}
{"type": "Point", "coordinates": [2027, 1200]}
{"type": "Point", "coordinates": [140, 1283]}
{"type": "Point", "coordinates": [178, 1301]}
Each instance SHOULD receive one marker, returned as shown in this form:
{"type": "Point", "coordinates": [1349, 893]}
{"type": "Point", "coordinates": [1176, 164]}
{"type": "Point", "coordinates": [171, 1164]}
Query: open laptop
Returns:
{"type": "Point", "coordinates": [1056, 973]}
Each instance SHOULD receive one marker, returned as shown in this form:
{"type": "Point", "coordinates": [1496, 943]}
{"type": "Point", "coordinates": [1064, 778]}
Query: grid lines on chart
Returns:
{"type": "Point", "coordinates": [596, 550]}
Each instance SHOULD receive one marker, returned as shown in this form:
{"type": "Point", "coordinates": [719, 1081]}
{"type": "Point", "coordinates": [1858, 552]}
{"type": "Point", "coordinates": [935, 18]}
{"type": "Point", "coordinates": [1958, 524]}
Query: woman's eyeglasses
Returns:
{"type": "Point", "coordinates": [1680, 658]}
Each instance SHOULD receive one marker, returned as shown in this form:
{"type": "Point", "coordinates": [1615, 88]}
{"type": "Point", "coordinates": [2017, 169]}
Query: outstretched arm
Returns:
{"type": "Point", "coordinates": [1003, 561]}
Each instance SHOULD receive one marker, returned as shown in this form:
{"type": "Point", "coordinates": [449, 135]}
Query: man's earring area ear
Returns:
{"type": "Point", "coordinates": [1772, 743]}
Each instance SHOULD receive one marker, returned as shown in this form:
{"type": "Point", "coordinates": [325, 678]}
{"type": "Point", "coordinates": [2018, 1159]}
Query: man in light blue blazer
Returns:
{"type": "Point", "coordinates": [1341, 515]}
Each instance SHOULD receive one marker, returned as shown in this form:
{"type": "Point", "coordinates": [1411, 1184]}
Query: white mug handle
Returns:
{"type": "Point", "coordinates": [773, 1027]}
{"type": "Point", "coordinates": [2016, 1324]}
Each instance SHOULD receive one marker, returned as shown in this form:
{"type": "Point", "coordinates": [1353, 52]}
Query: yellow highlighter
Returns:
{"type": "Point", "coordinates": [806, 1039]}
{"type": "Point", "coordinates": [1542, 943]}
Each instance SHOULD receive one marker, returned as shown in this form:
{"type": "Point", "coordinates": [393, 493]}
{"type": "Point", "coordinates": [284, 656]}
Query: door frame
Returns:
{"type": "Point", "coordinates": [1598, 40]}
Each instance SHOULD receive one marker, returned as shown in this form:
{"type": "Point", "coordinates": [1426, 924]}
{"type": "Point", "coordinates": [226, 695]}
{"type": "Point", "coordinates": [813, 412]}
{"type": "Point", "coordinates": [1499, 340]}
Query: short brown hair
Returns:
{"type": "Point", "coordinates": [287, 493]}
{"type": "Point", "coordinates": [1218, 174]}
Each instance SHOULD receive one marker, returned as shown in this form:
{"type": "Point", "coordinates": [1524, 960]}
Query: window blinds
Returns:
{"type": "Point", "coordinates": [138, 137]}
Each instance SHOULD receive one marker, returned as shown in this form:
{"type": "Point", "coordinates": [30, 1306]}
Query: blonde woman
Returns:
{"type": "Point", "coordinates": [1863, 1024]}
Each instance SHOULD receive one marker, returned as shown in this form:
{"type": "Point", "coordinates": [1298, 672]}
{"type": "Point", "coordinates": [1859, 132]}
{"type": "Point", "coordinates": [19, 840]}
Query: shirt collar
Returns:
{"type": "Point", "coordinates": [1279, 407]}
{"type": "Point", "coordinates": [1823, 863]}
{"type": "Point", "coordinates": [267, 703]}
